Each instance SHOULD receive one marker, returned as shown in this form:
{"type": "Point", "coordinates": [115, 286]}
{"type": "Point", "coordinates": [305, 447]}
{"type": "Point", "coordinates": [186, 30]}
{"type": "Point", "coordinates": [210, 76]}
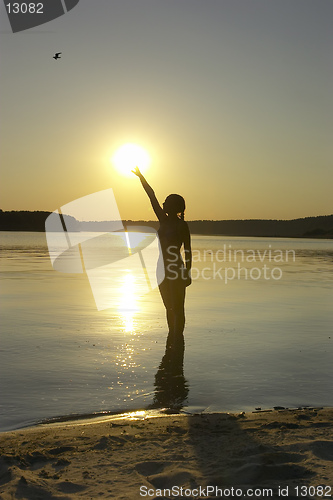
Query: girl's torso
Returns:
{"type": "Point", "coordinates": [171, 236]}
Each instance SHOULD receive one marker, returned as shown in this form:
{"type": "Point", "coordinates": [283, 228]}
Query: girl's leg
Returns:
{"type": "Point", "coordinates": [173, 296]}
{"type": "Point", "coordinates": [178, 308]}
{"type": "Point", "coordinates": [166, 295]}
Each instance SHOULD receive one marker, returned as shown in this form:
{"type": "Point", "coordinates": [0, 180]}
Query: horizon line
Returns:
{"type": "Point", "coordinates": [156, 220]}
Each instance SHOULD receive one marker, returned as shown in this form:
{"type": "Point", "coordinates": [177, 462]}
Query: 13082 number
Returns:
{"type": "Point", "coordinates": [314, 491]}
{"type": "Point", "coordinates": [25, 8]}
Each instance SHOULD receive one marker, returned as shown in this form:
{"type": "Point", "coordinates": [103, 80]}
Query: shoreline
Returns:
{"type": "Point", "coordinates": [77, 418]}
{"type": "Point", "coordinates": [115, 456]}
{"type": "Point", "coordinates": [222, 235]}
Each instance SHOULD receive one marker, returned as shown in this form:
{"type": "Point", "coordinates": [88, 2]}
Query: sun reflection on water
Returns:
{"type": "Point", "coordinates": [126, 362]}
{"type": "Point", "coordinates": [128, 305]}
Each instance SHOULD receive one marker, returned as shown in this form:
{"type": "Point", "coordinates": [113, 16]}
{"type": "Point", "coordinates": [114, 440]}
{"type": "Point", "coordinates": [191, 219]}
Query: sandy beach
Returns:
{"type": "Point", "coordinates": [275, 453]}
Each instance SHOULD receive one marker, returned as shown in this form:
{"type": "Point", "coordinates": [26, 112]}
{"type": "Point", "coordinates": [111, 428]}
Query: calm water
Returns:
{"type": "Point", "coordinates": [258, 333]}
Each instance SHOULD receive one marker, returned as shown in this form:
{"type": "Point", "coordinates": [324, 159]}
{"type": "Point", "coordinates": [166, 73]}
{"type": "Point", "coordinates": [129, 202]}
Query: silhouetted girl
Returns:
{"type": "Point", "coordinates": [173, 233]}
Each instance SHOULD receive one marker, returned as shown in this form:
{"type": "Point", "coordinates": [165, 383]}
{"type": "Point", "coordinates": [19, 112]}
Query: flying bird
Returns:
{"type": "Point", "coordinates": [57, 55]}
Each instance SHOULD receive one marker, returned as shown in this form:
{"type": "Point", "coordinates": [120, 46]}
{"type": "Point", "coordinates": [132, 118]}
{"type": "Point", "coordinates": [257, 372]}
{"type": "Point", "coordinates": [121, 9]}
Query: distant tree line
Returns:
{"type": "Point", "coordinates": [321, 226]}
{"type": "Point", "coordinates": [23, 221]}
{"type": "Point", "coordinates": [311, 227]}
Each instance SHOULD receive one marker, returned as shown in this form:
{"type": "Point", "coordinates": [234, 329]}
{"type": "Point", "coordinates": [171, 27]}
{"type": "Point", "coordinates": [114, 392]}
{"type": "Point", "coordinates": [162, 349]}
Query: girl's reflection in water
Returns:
{"type": "Point", "coordinates": [171, 387]}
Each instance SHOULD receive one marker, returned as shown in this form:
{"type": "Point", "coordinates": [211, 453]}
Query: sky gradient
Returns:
{"type": "Point", "coordinates": [231, 98]}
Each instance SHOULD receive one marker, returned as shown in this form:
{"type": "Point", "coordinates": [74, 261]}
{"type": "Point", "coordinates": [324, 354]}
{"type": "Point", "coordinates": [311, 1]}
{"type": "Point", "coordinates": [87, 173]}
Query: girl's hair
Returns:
{"type": "Point", "coordinates": [175, 204]}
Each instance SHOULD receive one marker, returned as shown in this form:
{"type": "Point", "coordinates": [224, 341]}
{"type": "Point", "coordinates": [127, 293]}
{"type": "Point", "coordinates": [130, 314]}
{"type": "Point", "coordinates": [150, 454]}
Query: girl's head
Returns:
{"type": "Point", "coordinates": [174, 204]}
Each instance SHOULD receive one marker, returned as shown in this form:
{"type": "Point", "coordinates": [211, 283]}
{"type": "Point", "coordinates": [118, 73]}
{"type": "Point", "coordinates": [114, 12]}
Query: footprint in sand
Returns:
{"type": "Point", "coordinates": [27, 489]}
{"type": "Point", "coordinates": [69, 487]}
{"type": "Point", "coordinates": [149, 468]}
{"type": "Point", "coordinates": [5, 472]}
{"type": "Point", "coordinates": [61, 449]}
{"type": "Point", "coordinates": [322, 449]}
{"type": "Point", "coordinates": [262, 472]}
{"type": "Point", "coordinates": [165, 474]}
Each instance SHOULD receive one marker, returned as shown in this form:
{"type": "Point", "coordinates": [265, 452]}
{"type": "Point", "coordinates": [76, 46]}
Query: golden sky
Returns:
{"type": "Point", "coordinates": [231, 99]}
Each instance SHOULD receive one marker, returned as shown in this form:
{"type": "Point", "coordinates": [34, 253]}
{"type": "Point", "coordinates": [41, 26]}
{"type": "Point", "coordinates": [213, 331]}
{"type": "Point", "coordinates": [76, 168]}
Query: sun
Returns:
{"type": "Point", "coordinates": [129, 156]}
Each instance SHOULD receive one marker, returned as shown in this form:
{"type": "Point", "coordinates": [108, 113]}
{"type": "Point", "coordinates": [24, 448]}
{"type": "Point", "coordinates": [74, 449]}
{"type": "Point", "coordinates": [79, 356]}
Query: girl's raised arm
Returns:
{"type": "Point", "coordinates": [160, 214]}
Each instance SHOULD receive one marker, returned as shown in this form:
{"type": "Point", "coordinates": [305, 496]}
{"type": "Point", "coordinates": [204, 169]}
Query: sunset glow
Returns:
{"type": "Point", "coordinates": [129, 156]}
{"type": "Point", "coordinates": [228, 105]}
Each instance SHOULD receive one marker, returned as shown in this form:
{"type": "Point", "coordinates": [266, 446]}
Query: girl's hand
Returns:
{"type": "Point", "coordinates": [188, 282]}
{"type": "Point", "coordinates": [137, 172]}
{"type": "Point", "coordinates": [188, 279]}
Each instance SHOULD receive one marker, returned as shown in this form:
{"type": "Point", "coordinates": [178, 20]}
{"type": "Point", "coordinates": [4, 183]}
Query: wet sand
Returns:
{"type": "Point", "coordinates": [280, 453]}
